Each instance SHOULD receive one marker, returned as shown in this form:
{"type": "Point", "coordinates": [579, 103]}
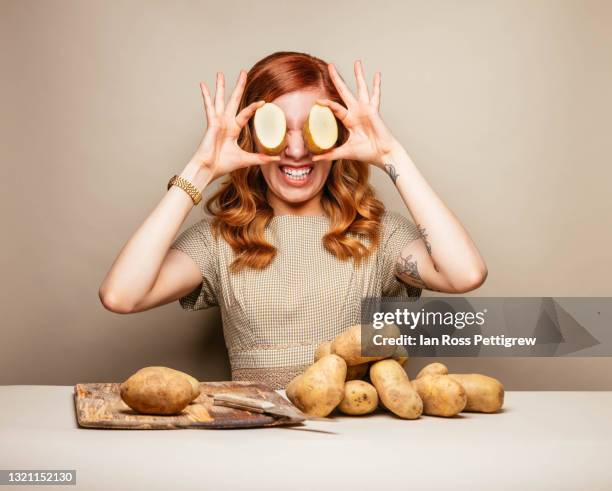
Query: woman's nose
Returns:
{"type": "Point", "coordinates": [296, 148]}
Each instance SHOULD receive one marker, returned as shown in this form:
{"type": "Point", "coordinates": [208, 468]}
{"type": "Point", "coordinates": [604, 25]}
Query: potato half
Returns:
{"type": "Point", "coordinates": [320, 129]}
{"type": "Point", "coordinates": [270, 128]}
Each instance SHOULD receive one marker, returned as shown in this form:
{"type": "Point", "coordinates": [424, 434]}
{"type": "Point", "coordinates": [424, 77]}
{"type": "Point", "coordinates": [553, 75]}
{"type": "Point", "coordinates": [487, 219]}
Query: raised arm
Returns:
{"type": "Point", "coordinates": [445, 258]}
{"type": "Point", "coordinates": [146, 272]}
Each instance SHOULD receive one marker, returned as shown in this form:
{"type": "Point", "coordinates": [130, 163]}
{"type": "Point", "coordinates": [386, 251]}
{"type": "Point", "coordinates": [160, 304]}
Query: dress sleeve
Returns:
{"type": "Point", "coordinates": [397, 231]}
{"type": "Point", "coordinates": [199, 244]}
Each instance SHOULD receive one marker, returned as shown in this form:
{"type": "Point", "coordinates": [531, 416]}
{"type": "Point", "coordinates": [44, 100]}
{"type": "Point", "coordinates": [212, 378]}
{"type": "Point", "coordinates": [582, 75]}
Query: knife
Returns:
{"type": "Point", "coordinates": [258, 406]}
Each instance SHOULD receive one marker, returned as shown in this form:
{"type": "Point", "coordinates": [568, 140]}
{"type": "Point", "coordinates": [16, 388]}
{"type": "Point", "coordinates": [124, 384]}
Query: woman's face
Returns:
{"type": "Point", "coordinates": [295, 178]}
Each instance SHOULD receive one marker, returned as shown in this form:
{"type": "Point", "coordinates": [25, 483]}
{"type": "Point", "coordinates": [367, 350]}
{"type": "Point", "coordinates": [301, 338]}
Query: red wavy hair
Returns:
{"type": "Point", "coordinates": [240, 208]}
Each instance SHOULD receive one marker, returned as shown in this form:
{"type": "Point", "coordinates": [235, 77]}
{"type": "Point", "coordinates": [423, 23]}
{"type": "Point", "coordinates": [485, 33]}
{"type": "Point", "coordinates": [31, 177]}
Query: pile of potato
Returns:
{"type": "Point", "coordinates": [334, 380]}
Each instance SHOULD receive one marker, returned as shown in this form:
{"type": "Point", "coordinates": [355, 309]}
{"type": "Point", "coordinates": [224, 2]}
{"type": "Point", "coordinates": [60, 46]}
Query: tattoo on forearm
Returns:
{"type": "Point", "coordinates": [390, 168]}
{"type": "Point", "coordinates": [424, 235]}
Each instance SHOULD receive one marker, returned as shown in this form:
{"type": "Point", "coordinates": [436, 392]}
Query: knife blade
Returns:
{"type": "Point", "coordinates": [258, 406]}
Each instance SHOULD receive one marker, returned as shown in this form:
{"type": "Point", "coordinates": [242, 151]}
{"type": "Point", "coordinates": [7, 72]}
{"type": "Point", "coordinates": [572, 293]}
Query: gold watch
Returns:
{"type": "Point", "coordinates": [186, 186]}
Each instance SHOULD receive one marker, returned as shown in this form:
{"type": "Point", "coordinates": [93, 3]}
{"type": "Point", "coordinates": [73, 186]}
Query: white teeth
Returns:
{"type": "Point", "coordinates": [296, 174]}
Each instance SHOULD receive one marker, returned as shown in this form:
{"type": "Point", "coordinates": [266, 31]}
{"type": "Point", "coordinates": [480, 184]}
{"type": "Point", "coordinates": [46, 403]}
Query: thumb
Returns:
{"type": "Point", "coordinates": [260, 158]}
{"type": "Point", "coordinates": [333, 154]}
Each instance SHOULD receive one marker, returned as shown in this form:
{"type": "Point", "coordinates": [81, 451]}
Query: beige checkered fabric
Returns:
{"type": "Point", "coordinates": [274, 319]}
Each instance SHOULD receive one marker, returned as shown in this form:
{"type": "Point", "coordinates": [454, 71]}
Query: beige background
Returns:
{"type": "Point", "coordinates": [504, 106]}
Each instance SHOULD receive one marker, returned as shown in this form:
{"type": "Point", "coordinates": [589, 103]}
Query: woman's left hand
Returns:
{"type": "Point", "coordinates": [369, 138]}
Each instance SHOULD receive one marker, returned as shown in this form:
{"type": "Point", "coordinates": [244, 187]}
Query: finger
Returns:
{"type": "Point", "coordinates": [375, 99]}
{"type": "Point", "coordinates": [259, 159]}
{"type": "Point", "coordinates": [220, 93]}
{"type": "Point", "coordinates": [208, 106]}
{"type": "Point", "coordinates": [234, 101]}
{"type": "Point", "coordinates": [243, 116]}
{"type": "Point", "coordinates": [338, 109]}
{"type": "Point", "coordinates": [334, 154]}
{"type": "Point", "coordinates": [362, 86]}
{"type": "Point", "coordinates": [341, 87]}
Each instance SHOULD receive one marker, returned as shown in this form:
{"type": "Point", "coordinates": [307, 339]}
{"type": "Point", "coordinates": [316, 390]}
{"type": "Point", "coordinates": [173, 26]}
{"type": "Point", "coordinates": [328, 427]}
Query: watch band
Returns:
{"type": "Point", "coordinates": [186, 186]}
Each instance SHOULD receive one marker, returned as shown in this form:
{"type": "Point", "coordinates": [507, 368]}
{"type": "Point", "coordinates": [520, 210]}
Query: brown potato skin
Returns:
{"type": "Point", "coordinates": [433, 369]}
{"type": "Point", "coordinates": [158, 390]}
{"type": "Point", "coordinates": [195, 386]}
{"type": "Point", "coordinates": [323, 349]}
{"type": "Point", "coordinates": [309, 140]}
{"type": "Point", "coordinates": [441, 395]}
{"type": "Point", "coordinates": [271, 151]}
{"type": "Point", "coordinates": [348, 346]}
{"type": "Point", "coordinates": [395, 390]}
{"type": "Point", "coordinates": [319, 390]}
{"type": "Point", "coordinates": [359, 398]}
{"type": "Point", "coordinates": [352, 373]}
{"type": "Point", "coordinates": [484, 394]}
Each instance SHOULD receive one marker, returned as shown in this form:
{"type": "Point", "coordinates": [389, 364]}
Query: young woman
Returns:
{"type": "Point", "coordinates": [294, 241]}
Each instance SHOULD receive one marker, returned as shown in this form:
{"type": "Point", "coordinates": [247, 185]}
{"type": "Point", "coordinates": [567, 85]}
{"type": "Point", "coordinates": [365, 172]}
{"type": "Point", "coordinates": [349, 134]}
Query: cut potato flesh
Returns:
{"type": "Point", "coordinates": [320, 129]}
{"type": "Point", "coordinates": [270, 128]}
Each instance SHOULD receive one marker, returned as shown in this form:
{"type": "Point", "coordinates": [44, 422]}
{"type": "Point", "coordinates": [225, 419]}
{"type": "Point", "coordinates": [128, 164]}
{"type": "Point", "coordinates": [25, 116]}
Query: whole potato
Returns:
{"type": "Point", "coordinates": [323, 349]}
{"type": "Point", "coordinates": [159, 390]}
{"type": "Point", "coordinates": [441, 395]}
{"type": "Point", "coordinates": [433, 369]}
{"type": "Point", "coordinates": [352, 373]}
{"type": "Point", "coordinates": [484, 394]}
{"type": "Point", "coordinates": [359, 398]}
{"type": "Point", "coordinates": [195, 385]}
{"type": "Point", "coordinates": [348, 345]}
{"type": "Point", "coordinates": [320, 388]}
{"type": "Point", "coordinates": [395, 390]}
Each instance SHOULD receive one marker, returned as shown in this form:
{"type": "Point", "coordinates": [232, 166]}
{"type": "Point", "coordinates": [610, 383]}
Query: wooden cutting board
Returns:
{"type": "Point", "coordinates": [99, 405]}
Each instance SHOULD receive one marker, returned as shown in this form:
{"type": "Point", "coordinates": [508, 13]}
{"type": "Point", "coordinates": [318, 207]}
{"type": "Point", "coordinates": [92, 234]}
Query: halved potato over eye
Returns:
{"type": "Point", "coordinates": [270, 128]}
{"type": "Point", "coordinates": [320, 129]}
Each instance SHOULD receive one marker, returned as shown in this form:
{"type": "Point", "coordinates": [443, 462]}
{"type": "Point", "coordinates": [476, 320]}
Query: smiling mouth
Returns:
{"type": "Point", "coordinates": [296, 173]}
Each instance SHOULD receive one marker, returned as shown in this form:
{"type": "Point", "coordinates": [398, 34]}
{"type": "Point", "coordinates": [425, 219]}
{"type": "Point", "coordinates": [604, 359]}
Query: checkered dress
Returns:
{"type": "Point", "coordinates": [274, 319]}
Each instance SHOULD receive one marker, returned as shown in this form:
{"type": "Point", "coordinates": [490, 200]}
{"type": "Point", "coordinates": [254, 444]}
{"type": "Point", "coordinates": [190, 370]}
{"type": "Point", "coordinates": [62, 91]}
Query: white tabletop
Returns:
{"type": "Point", "coordinates": [541, 440]}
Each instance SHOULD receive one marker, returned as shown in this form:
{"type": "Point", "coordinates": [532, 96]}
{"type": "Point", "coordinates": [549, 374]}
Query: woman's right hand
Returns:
{"type": "Point", "coordinates": [219, 152]}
